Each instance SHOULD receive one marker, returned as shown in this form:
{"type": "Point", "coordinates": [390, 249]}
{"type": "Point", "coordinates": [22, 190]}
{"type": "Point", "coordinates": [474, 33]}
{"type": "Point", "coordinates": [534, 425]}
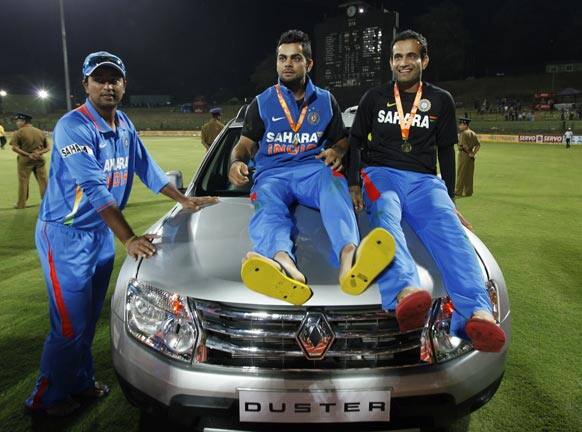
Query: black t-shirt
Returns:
{"type": "Point", "coordinates": [254, 128]}
{"type": "Point", "coordinates": [376, 133]}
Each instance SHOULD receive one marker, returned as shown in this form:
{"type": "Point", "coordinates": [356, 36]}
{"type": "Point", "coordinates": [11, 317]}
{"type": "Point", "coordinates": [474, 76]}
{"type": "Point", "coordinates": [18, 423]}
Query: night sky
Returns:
{"type": "Point", "coordinates": [190, 47]}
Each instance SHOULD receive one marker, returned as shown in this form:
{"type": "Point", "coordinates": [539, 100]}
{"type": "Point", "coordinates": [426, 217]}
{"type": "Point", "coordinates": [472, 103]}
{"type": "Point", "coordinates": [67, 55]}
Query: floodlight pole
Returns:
{"type": "Point", "coordinates": [65, 56]}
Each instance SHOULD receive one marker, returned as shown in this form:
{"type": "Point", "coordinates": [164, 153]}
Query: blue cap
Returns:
{"type": "Point", "coordinates": [102, 58]}
{"type": "Point", "coordinates": [216, 110]}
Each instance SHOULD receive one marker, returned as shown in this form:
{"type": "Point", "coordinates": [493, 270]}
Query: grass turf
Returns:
{"type": "Point", "coordinates": [526, 208]}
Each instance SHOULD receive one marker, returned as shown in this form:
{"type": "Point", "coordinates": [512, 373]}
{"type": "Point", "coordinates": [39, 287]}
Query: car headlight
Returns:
{"type": "Point", "coordinates": [161, 320]}
{"type": "Point", "coordinates": [437, 343]}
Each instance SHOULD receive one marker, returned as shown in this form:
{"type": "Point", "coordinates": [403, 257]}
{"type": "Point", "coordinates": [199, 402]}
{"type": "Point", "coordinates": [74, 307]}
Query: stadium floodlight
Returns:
{"type": "Point", "coordinates": [3, 93]}
{"type": "Point", "coordinates": [42, 94]}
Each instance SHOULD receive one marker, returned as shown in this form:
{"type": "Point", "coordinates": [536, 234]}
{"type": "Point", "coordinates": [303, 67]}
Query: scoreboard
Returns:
{"type": "Point", "coordinates": [352, 53]}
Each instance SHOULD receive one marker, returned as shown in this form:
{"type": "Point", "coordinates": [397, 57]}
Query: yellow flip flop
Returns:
{"type": "Point", "coordinates": [265, 277]}
{"type": "Point", "coordinates": [373, 255]}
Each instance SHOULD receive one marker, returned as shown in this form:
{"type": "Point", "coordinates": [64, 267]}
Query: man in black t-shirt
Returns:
{"type": "Point", "coordinates": [399, 131]}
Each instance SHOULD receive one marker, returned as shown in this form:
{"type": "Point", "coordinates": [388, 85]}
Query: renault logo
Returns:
{"type": "Point", "coordinates": [315, 336]}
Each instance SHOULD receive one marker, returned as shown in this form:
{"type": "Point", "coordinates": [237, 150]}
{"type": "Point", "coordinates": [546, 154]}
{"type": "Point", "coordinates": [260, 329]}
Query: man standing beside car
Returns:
{"type": "Point", "coordinates": [397, 133]}
{"type": "Point", "coordinates": [96, 153]}
{"type": "Point", "coordinates": [296, 136]}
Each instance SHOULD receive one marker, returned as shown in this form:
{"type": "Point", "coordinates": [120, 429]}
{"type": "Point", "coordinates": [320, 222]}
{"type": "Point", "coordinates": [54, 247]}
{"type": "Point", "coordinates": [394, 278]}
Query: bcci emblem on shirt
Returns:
{"type": "Point", "coordinates": [313, 118]}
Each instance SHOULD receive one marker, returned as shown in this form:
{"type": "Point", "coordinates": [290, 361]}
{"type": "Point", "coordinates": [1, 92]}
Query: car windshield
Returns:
{"type": "Point", "coordinates": [213, 178]}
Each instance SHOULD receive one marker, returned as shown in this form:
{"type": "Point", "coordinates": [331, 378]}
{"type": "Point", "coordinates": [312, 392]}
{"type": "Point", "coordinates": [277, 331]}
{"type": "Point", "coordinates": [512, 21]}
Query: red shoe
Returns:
{"type": "Point", "coordinates": [411, 310]}
{"type": "Point", "coordinates": [485, 335]}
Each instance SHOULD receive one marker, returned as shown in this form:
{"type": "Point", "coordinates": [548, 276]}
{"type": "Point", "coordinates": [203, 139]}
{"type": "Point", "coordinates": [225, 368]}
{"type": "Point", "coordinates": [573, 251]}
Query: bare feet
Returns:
{"type": "Point", "coordinates": [347, 259]}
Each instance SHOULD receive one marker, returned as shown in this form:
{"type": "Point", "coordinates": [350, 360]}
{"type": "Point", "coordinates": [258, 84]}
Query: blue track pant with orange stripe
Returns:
{"type": "Point", "coordinates": [392, 195]}
{"type": "Point", "coordinates": [77, 266]}
{"type": "Point", "coordinates": [311, 184]}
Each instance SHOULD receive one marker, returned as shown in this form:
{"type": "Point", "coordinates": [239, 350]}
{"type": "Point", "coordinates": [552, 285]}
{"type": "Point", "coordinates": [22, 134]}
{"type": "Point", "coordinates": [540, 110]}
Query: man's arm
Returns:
{"type": "Point", "coordinates": [335, 132]}
{"type": "Point", "coordinates": [476, 147]}
{"type": "Point", "coordinates": [204, 138]}
{"type": "Point", "coordinates": [252, 131]}
{"type": "Point", "coordinates": [15, 144]}
{"type": "Point", "coordinates": [243, 151]}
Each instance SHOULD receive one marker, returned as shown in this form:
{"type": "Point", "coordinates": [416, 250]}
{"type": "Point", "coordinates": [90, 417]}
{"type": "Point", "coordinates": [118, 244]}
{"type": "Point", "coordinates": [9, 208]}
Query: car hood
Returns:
{"type": "Point", "coordinates": [199, 255]}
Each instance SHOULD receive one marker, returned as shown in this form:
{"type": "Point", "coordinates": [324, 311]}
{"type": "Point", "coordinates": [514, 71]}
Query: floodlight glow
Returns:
{"type": "Point", "coordinates": [42, 94]}
{"type": "Point", "coordinates": [3, 93]}
{"type": "Point", "coordinates": [361, 10]}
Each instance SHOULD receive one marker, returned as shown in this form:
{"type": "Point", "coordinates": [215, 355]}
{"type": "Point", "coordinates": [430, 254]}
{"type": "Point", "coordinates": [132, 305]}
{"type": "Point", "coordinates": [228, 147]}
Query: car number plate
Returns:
{"type": "Point", "coordinates": [314, 406]}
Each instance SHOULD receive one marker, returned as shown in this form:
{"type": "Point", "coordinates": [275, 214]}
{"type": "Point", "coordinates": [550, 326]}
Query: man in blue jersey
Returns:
{"type": "Point", "coordinates": [399, 131]}
{"type": "Point", "coordinates": [96, 153]}
{"type": "Point", "coordinates": [295, 134]}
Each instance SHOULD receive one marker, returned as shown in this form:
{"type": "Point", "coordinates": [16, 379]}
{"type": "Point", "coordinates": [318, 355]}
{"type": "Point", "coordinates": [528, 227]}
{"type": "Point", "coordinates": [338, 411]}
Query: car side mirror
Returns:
{"type": "Point", "coordinates": [175, 178]}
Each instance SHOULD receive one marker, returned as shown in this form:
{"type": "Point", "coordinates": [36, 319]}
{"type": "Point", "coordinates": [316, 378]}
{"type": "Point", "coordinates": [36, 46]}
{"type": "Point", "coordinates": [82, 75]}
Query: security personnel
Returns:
{"type": "Point", "coordinates": [469, 145]}
{"type": "Point", "coordinates": [30, 143]}
{"type": "Point", "coordinates": [97, 152]}
{"type": "Point", "coordinates": [399, 131]}
{"type": "Point", "coordinates": [2, 137]}
{"type": "Point", "coordinates": [212, 128]}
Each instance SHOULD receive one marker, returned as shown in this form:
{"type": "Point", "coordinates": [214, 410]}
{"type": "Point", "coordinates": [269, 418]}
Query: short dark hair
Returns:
{"type": "Point", "coordinates": [296, 36]}
{"type": "Point", "coordinates": [411, 34]}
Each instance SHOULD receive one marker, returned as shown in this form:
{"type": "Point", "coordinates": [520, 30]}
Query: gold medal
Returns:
{"type": "Point", "coordinates": [295, 126]}
{"type": "Point", "coordinates": [406, 122]}
{"type": "Point", "coordinates": [406, 147]}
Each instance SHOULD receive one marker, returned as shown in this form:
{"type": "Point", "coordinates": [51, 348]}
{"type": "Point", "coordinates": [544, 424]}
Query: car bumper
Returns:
{"type": "Point", "coordinates": [420, 396]}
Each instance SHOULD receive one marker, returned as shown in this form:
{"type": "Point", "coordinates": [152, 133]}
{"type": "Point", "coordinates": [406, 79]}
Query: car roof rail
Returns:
{"type": "Point", "coordinates": [240, 116]}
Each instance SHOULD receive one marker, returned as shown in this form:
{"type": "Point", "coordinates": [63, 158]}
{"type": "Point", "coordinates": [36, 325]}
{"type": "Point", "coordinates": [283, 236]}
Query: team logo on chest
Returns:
{"type": "Point", "coordinates": [424, 105]}
{"type": "Point", "coordinates": [313, 117]}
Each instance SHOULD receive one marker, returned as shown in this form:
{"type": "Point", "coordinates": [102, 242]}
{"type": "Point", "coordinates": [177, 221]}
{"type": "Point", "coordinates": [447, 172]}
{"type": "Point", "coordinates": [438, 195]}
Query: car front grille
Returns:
{"type": "Point", "coordinates": [245, 337]}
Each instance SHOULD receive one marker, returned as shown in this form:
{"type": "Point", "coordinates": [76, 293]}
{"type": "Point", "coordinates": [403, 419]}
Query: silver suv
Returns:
{"type": "Point", "coordinates": [191, 342]}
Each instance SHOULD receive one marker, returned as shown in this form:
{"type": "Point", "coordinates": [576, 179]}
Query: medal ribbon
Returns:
{"type": "Point", "coordinates": [294, 126]}
{"type": "Point", "coordinates": [405, 125]}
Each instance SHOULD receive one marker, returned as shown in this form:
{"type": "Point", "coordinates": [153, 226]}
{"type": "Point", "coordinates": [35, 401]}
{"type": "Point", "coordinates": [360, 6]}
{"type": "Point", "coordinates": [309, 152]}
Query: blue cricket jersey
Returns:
{"type": "Point", "coordinates": [279, 145]}
{"type": "Point", "coordinates": [92, 168]}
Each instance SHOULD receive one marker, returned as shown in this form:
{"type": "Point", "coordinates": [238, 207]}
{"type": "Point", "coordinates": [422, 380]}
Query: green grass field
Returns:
{"type": "Point", "coordinates": [527, 208]}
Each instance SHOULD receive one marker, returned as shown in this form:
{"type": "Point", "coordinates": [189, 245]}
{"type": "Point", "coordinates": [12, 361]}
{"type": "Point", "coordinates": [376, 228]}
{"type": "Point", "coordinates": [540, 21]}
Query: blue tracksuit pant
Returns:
{"type": "Point", "coordinates": [392, 195]}
{"type": "Point", "coordinates": [311, 184]}
{"type": "Point", "coordinates": [77, 266]}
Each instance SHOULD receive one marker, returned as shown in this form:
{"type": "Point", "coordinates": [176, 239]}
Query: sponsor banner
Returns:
{"type": "Point", "coordinates": [533, 139]}
{"type": "Point", "coordinates": [169, 133]}
{"type": "Point", "coordinates": [541, 139]}
{"type": "Point", "coordinates": [497, 137]}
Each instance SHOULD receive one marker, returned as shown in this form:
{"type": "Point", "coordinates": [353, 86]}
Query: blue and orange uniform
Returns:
{"type": "Point", "coordinates": [92, 168]}
{"type": "Point", "coordinates": [287, 171]}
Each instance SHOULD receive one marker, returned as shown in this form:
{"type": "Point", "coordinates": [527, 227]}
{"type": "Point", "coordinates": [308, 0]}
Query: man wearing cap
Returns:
{"type": "Point", "coordinates": [31, 144]}
{"type": "Point", "coordinates": [568, 137]}
{"type": "Point", "coordinates": [469, 145]}
{"type": "Point", "coordinates": [212, 128]}
{"type": "Point", "coordinates": [96, 154]}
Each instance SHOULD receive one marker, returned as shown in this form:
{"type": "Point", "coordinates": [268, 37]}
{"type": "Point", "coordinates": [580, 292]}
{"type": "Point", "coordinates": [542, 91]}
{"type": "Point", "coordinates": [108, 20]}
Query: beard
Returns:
{"type": "Point", "coordinates": [293, 84]}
